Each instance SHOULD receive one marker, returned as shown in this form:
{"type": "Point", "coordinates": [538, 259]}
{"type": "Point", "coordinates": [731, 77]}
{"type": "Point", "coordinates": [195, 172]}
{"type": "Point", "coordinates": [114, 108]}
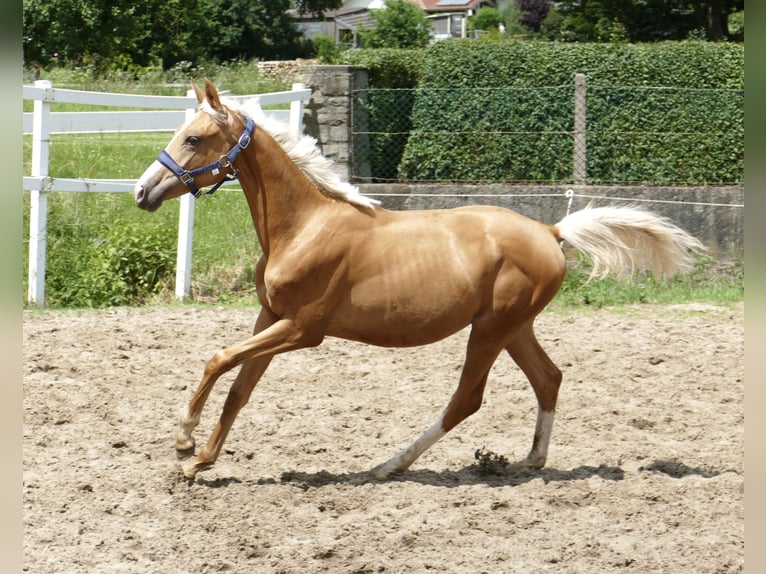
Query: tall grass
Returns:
{"type": "Point", "coordinates": [96, 240]}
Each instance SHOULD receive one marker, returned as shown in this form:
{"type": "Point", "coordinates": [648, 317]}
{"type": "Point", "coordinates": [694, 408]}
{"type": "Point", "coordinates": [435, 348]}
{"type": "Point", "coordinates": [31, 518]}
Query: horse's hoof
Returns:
{"type": "Point", "coordinates": [534, 462]}
{"type": "Point", "coordinates": [382, 472]}
{"type": "Point", "coordinates": [183, 454]}
{"type": "Point", "coordinates": [189, 471]}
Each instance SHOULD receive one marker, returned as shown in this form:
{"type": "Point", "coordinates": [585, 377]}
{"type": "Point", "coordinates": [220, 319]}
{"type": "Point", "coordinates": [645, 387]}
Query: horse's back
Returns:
{"type": "Point", "coordinates": [502, 233]}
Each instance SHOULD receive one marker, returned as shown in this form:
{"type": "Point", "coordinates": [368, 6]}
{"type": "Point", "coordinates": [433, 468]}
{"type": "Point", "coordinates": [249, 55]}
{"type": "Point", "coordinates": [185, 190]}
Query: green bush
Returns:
{"type": "Point", "coordinates": [124, 264]}
{"type": "Point", "coordinates": [385, 109]}
{"type": "Point", "coordinates": [327, 51]}
{"type": "Point", "coordinates": [503, 111]}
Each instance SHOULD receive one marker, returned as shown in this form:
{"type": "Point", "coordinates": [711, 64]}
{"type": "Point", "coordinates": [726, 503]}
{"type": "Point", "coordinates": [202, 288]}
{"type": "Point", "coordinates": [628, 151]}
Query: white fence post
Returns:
{"type": "Point", "coordinates": [185, 234]}
{"type": "Point", "coordinates": [296, 112]}
{"type": "Point", "coordinates": [580, 140]}
{"type": "Point", "coordinates": [38, 213]}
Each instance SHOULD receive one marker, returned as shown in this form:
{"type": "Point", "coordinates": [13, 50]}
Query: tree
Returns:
{"type": "Point", "coordinates": [645, 20]}
{"type": "Point", "coordinates": [119, 33]}
{"type": "Point", "coordinates": [126, 33]}
{"type": "Point", "coordinates": [533, 12]}
{"type": "Point", "coordinates": [247, 29]}
{"type": "Point", "coordinates": [399, 24]}
{"type": "Point", "coordinates": [486, 18]}
{"type": "Point", "coordinates": [713, 16]}
{"type": "Point", "coordinates": [78, 30]}
{"type": "Point", "coordinates": [317, 7]}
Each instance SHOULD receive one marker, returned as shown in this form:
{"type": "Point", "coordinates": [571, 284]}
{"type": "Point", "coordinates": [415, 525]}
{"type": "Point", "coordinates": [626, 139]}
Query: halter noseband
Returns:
{"type": "Point", "coordinates": [225, 161]}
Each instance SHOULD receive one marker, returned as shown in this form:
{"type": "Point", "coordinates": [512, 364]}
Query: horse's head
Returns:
{"type": "Point", "coordinates": [201, 153]}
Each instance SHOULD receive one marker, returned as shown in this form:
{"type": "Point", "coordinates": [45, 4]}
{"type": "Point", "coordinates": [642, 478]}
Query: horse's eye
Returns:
{"type": "Point", "coordinates": [192, 141]}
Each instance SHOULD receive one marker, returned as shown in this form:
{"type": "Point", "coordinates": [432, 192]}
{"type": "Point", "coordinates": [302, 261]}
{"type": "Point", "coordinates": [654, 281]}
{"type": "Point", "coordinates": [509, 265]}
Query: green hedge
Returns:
{"type": "Point", "coordinates": [503, 111]}
{"type": "Point", "coordinates": [386, 106]}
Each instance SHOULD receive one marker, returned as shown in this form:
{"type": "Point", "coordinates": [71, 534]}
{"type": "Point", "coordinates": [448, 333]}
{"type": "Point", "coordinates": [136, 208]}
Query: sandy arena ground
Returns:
{"type": "Point", "coordinates": [645, 472]}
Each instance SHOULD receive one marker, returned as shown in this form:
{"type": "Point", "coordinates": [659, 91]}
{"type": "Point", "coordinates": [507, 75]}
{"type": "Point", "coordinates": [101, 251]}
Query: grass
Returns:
{"type": "Point", "coordinates": [711, 280]}
{"type": "Point", "coordinates": [225, 246]}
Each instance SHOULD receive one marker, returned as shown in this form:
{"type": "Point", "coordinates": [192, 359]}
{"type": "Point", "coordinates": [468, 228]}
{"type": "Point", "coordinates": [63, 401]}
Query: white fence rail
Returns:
{"type": "Point", "coordinates": [42, 122]}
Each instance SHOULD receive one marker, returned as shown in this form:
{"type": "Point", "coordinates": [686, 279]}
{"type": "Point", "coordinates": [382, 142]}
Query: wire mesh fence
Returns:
{"type": "Point", "coordinates": [570, 134]}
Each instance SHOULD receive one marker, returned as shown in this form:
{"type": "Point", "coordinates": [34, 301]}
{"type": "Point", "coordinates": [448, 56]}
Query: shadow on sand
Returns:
{"type": "Point", "coordinates": [470, 475]}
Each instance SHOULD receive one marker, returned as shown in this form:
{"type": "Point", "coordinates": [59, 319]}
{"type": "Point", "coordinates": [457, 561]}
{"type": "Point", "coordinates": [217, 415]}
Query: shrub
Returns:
{"type": "Point", "coordinates": [327, 51]}
{"type": "Point", "coordinates": [386, 107]}
{"type": "Point", "coordinates": [126, 265]}
{"type": "Point", "coordinates": [503, 111]}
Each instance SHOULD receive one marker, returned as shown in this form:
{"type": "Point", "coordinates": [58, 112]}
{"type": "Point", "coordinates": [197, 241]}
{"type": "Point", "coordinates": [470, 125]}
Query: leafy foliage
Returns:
{"type": "Point", "coordinates": [387, 106]}
{"type": "Point", "coordinates": [533, 12]}
{"type": "Point", "coordinates": [317, 6]}
{"type": "Point", "coordinates": [502, 111]}
{"type": "Point", "coordinates": [487, 18]}
{"type": "Point", "coordinates": [141, 33]}
{"type": "Point", "coordinates": [645, 20]}
{"type": "Point", "coordinates": [243, 29]}
{"type": "Point", "coordinates": [327, 51]}
{"type": "Point", "coordinates": [400, 24]}
{"type": "Point", "coordinates": [124, 264]}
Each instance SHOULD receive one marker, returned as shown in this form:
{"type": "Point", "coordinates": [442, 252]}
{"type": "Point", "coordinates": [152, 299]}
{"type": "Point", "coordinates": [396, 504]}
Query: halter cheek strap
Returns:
{"type": "Point", "coordinates": [226, 161]}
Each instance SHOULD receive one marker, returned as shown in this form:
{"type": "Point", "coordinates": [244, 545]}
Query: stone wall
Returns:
{"type": "Point", "coordinates": [285, 71]}
{"type": "Point", "coordinates": [328, 116]}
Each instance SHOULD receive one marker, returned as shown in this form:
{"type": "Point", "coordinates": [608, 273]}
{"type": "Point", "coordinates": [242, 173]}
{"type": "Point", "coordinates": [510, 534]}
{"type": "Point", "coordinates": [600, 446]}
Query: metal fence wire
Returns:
{"type": "Point", "coordinates": [571, 134]}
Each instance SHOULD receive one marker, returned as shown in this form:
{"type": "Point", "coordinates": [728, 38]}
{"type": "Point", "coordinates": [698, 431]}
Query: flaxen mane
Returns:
{"type": "Point", "coordinates": [305, 153]}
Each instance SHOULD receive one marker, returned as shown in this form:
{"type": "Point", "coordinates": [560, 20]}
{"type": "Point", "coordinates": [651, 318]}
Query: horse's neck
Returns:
{"type": "Point", "coordinates": [280, 197]}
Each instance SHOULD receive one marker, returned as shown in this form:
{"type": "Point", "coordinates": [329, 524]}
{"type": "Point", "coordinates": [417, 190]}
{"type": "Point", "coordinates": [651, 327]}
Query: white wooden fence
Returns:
{"type": "Point", "coordinates": [43, 122]}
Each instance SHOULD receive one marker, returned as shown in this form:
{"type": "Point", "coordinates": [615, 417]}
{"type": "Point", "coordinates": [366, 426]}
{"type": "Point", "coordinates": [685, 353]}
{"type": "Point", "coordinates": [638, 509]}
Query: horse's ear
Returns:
{"type": "Point", "coordinates": [211, 94]}
{"type": "Point", "coordinates": [198, 91]}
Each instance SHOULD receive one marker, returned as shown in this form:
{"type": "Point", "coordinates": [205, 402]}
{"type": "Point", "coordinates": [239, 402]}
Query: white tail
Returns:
{"type": "Point", "coordinates": [620, 240]}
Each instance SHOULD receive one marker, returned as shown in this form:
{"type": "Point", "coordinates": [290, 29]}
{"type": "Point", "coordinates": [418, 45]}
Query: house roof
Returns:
{"type": "Point", "coordinates": [446, 5]}
{"type": "Point", "coordinates": [351, 12]}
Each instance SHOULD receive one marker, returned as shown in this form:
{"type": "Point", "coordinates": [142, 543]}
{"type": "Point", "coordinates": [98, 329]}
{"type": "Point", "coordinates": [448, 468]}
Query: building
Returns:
{"type": "Point", "coordinates": [448, 19]}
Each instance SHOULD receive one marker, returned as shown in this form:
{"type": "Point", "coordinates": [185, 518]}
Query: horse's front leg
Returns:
{"type": "Point", "coordinates": [256, 353]}
{"type": "Point", "coordinates": [190, 415]}
{"type": "Point", "coordinates": [239, 395]}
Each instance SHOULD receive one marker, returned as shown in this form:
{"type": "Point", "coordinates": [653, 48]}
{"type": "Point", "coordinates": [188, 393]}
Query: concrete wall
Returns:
{"type": "Point", "coordinates": [712, 214]}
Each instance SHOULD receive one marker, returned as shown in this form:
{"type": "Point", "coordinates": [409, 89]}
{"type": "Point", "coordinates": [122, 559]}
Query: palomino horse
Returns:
{"type": "Point", "coordinates": [335, 264]}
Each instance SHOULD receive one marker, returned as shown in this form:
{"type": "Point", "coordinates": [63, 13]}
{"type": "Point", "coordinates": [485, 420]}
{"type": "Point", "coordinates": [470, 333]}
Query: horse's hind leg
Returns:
{"type": "Point", "coordinates": [545, 379]}
{"type": "Point", "coordinates": [465, 401]}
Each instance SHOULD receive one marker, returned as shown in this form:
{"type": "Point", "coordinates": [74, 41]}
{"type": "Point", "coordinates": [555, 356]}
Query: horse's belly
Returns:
{"type": "Point", "coordinates": [398, 319]}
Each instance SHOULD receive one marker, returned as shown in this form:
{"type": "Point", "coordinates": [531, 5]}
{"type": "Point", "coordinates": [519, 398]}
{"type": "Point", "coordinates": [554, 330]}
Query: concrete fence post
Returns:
{"type": "Point", "coordinates": [328, 116]}
{"type": "Point", "coordinates": [580, 136]}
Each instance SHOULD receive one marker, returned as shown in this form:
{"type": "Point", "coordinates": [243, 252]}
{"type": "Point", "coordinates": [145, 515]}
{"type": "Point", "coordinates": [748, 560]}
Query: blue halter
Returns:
{"type": "Point", "coordinates": [226, 161]}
